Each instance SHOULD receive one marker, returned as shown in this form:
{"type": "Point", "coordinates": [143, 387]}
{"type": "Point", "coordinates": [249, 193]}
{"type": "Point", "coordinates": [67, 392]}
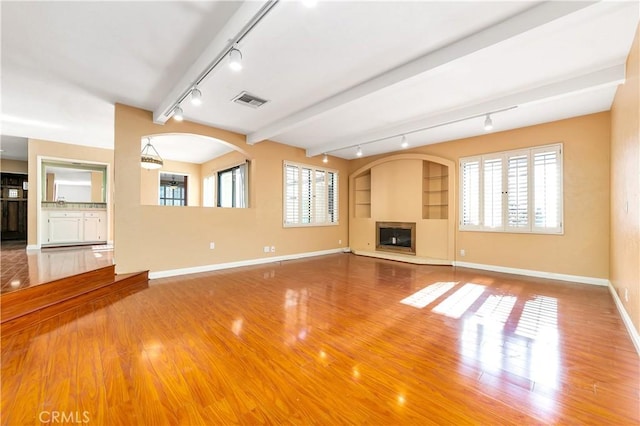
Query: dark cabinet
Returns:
{"type": "Point", "coordinates": [13, 206]}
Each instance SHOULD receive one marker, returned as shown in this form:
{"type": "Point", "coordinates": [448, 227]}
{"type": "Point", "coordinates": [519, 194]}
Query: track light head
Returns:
{"type": "Point", "coordinates": [325, 159]}
{"type": "Point", "coordinates": [196, 96]}
{"type": "Point", "coordinates": [235, 59]}
{"type": "Point", "coordinates": [488, 123]}
{"type": "Point", "coordinates": [178, 114]}
{"type": "Point", "coordinates": [359, 152]}
{"type": "Point", "coordinates": [404, 142]}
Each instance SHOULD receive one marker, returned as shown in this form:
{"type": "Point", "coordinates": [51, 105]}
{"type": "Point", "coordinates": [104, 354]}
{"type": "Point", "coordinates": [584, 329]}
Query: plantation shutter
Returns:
{"type": "Point", "coordinates": [292, 195]}
{"type": "Point", "coordinates": [320, 197]}
{"type": "Point", "coordinates": [470, 179]}
{"type": "Point", "coordinates": [311, 195]}
{"type": "Point", "coordinates": [547, 178]}
{"type": "Point", "coordinates": [307, 194]}
{"type": "Point", "coordinates": [332, 197]}
{"type": "Point", "coordinates": [493, 193]}
{"type": "Point", "coordinates": [518, 191]}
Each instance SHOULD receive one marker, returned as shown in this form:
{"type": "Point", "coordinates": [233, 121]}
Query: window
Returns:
{"type": "Point", "coordinates": [173, 189]}
{"type": "Point", "coordinates": [310, 195]}
{"type": "Point", "coordinates": [208, 191]}
{"type": "Point", "coordinates": [232, 187]}
{"type": "Point", "coordinates": [513, 191]}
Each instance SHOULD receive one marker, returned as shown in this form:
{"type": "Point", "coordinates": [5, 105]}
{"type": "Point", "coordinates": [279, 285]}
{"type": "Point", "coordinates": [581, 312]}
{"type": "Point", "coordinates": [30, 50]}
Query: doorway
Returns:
{"type": "Point", "coordinates": [13, 205]}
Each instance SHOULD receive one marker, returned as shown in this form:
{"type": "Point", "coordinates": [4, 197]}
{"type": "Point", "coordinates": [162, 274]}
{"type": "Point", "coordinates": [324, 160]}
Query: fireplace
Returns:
{"type": "Point", "coordinates": [398, 237]}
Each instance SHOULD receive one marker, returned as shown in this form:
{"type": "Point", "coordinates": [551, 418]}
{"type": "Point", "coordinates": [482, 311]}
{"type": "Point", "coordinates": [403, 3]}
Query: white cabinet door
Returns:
{"type": "Point", "coordinates": [65, 229]}
{"type": "Point", "coordinates": [95, 226]}
{"type": "Point", "coordinates": [91, 229]}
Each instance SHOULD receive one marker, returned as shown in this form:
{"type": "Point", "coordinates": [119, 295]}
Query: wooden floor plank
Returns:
{"type": "Point", "coordinates": [337, 339]}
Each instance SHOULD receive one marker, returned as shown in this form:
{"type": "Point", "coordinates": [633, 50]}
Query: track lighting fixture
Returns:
{"type": "Point", "coordinates": [404, 139]}
{"type": "Point", "coordinates": [235, 59]}
{"type": "Point", "coordinates": [325, 159]}
{"type": "Point", "coordinates": [404, 142]}
{"type": "Point", "coordinates": [488, 123]}
{"type": "Point", "coordinates": [149, 157]}
{"type": "Point", "coordinates": [196, 96]}
{"type": "Point", "coordinates": [178, 114]}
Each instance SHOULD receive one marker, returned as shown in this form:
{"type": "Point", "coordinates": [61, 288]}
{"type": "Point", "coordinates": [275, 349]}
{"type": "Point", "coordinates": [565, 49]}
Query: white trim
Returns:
{"type": "Point", "coordinates": [33, 247]}
{"type": "Point", "coordinates": [633, 333]}
{"type": "Point", "coordinates": [249, 262]}
{"type": "Point", "coordinates": [533, 273]}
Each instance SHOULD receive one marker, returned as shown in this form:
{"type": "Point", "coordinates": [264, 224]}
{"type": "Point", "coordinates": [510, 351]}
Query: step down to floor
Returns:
{"type": "Point", "coordinates": [29, 306]}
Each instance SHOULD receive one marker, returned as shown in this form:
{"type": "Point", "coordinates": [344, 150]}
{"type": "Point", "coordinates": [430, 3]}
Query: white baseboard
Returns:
{"type": "Point", "coordinates": [250, 262]}
{"type": "Point", "coordinates": [537, 274]}
{"type": "Point", "coordinates": [626, 319]}
{"type": "Point", "coordinates": [33, 247]}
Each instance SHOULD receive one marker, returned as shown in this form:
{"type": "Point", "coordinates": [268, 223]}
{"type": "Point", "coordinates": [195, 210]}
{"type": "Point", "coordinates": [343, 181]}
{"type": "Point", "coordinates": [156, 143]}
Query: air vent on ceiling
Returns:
{"type": "Point", "coordinates": [249, 100]}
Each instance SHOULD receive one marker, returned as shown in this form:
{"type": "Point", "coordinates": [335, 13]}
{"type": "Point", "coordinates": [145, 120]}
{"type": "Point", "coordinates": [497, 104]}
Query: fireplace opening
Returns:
{"type": "Point", "coordinates": [399, 237]}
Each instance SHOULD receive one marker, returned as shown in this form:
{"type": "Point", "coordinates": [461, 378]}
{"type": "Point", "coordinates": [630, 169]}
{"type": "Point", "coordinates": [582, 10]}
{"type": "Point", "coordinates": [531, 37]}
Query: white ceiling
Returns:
{"type": "Point", "coordinates": [336, 76]}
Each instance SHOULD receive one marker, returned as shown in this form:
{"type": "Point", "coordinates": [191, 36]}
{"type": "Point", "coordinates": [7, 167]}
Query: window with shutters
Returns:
{"type": "Point", "coordinates": [513, 191]}
{"type": "Point", "coordinates": [310, 195]}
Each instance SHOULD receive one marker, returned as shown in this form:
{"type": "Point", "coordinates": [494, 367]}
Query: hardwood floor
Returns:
{"type": "Point", "coordinates": [330, 340]}
{"type": "Point", "coordinates": [20, 269]}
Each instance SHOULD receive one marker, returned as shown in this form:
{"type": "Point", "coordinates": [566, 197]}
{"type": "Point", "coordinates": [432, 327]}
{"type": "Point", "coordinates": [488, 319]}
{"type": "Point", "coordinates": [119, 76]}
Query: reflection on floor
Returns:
{"type": "Point", "coordinates": [21, 269]}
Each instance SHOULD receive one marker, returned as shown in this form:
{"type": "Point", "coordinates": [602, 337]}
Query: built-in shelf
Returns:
{"type": "Point", "coordinates": [435, 191]}
{"type": "Point", "coordinates": [363, 196]}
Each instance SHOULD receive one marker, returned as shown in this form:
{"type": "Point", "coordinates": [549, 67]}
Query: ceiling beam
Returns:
{"type": "Point", "coordinates": [614, 75]}
{"type": "Point", "coordinates": [214, 52]}
{"type": "Point", "coordinates": [518, 24]}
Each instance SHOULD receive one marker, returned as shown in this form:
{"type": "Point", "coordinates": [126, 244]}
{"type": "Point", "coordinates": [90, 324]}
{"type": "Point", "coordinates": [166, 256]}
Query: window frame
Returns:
{"type": "Point", "coordinates": [465, 165]}
{"type": "Point", "coordinates": [331, 199]}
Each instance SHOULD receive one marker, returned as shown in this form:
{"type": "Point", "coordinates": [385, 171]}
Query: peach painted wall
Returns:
{"type": "Point", "coordinates": [583, 250]}
{"type": "Point", "coordinates": [144, 241]}
{"type": "Point", "coordinates": [61, 151]}
{"type": "Point", "coordinates": [625, 187]}
{"type": "Point", "coordinates": [14, 166]}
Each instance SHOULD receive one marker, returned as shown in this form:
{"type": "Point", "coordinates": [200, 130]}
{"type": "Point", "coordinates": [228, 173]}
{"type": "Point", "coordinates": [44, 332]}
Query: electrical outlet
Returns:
{"type": "Point", "coordinates": [626, 294]}
{"type": "Point", "coordinates": [273, 249]}
{"type": "Point", "coordinates": [339, 241]}
{"type": "Point", "coordinates": [212, 245]}
{"type": "Point", "coordinates": [266, 249]}
{"type": "Point", "coordinates": [462, 253]}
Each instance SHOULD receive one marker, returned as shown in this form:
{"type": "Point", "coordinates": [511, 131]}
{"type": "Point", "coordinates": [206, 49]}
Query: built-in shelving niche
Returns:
{"type": "Point", "coordinates": [435, 191]}
{"type": "Point", "coordinates": [363, 196]}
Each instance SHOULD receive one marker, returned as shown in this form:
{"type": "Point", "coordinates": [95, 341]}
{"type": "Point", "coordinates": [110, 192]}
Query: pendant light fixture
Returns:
{"type": "Point", "coordinates": [359, 151]}
{"type": "Point", "coordinates": [149, 157]}
{"type": "Point", "coordinates": [235, 59]}
{"type": "Point", "coordinates": [325, 159]}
